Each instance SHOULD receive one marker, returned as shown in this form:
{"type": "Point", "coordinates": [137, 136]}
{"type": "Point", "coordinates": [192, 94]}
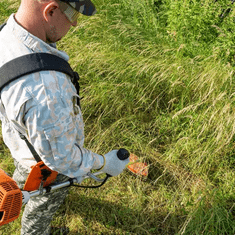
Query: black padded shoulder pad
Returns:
{"type": "Point", "coordinates": [32, 63]}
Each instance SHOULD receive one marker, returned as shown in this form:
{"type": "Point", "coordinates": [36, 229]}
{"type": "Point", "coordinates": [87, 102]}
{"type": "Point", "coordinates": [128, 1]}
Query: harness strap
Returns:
{"type": "Point", "coordinates": [2, 26]}
{"type": "Point", "coordinates": [31, 148]}
{"type": "Point", "coordinates": [32, 63]}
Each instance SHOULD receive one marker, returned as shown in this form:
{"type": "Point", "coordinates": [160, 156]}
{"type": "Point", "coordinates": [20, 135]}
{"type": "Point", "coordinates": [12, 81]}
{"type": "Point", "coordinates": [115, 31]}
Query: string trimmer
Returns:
{"type": "Point", "coordinates": [12, 198]}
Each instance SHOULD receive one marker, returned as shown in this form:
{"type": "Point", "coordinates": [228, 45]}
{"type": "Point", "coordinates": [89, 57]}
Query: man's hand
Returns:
{"type": "Point", "coordinates": [113, 165]}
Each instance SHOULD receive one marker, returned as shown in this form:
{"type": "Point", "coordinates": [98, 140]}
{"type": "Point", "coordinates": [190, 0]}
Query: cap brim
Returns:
{"type": "Point", "coordinates": [85, 7]}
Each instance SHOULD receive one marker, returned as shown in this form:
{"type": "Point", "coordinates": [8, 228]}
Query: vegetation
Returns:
{"type": "Point", "coordinates": [157, 78]}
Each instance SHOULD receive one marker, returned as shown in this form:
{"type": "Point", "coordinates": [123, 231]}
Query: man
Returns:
{"type": "Point", "coordinates": [42, 106]}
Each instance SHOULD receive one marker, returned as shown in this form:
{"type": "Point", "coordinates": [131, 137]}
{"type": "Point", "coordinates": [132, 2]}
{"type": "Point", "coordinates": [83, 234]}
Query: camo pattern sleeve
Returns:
{"type": "Point", "coordinates": [55, 125]}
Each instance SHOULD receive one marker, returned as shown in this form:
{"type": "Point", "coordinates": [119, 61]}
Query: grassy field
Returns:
{"type": "Point", "coordinates": [157, 78]}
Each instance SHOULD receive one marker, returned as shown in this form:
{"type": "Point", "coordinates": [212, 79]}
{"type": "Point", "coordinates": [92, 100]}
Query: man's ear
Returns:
{"type": "Point", "coordinates": [49, 10]}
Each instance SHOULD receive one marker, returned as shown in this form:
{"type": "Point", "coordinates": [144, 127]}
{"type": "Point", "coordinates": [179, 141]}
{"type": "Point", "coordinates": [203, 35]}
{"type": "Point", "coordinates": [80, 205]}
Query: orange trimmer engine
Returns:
{"type": "Point", "coordinates": [10, 199]}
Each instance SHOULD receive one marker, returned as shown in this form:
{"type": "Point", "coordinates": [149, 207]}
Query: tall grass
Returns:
{"type": "Point", "coordinates": [157, 77]}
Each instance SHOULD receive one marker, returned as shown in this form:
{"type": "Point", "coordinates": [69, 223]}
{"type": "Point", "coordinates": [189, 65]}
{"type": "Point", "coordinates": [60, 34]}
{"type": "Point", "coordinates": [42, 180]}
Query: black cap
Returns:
{"type": "Point", "coordinates": [85, 7]}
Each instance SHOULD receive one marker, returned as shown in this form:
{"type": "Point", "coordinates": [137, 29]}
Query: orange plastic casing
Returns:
{"type": "Point", "coordinates": [35, 177]}
{"type": "Point", "coordinates": [10, 199]}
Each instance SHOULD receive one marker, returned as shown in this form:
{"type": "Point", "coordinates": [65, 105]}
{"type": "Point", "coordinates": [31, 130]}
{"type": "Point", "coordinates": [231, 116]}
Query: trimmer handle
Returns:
{"type": "Point", "coordinates": [123, 154]}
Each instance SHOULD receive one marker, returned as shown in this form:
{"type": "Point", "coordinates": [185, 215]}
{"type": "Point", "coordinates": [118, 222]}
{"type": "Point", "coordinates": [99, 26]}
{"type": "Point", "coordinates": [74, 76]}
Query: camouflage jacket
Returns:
{"type": "Point", "coordinates": [43, 107]}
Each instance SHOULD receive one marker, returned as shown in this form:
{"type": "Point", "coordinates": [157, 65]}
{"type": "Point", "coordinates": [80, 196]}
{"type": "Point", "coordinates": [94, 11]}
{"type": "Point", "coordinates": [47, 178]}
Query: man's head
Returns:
{"type": "Point", "coordinates": [50, 20]}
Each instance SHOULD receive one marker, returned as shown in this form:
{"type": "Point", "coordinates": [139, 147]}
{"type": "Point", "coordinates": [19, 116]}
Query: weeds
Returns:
{"type": "Point", "coordinates": [157, 78]}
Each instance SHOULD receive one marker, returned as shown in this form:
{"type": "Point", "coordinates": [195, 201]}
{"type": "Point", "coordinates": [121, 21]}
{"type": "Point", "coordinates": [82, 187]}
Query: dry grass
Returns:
{"type": "Point", "coordinates": [143, 91]}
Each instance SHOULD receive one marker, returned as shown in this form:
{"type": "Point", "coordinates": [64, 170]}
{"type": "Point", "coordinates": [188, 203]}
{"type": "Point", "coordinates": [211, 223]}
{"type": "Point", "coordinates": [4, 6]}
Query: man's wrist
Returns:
{"type": "Point", "coordinates": [103, 164]}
